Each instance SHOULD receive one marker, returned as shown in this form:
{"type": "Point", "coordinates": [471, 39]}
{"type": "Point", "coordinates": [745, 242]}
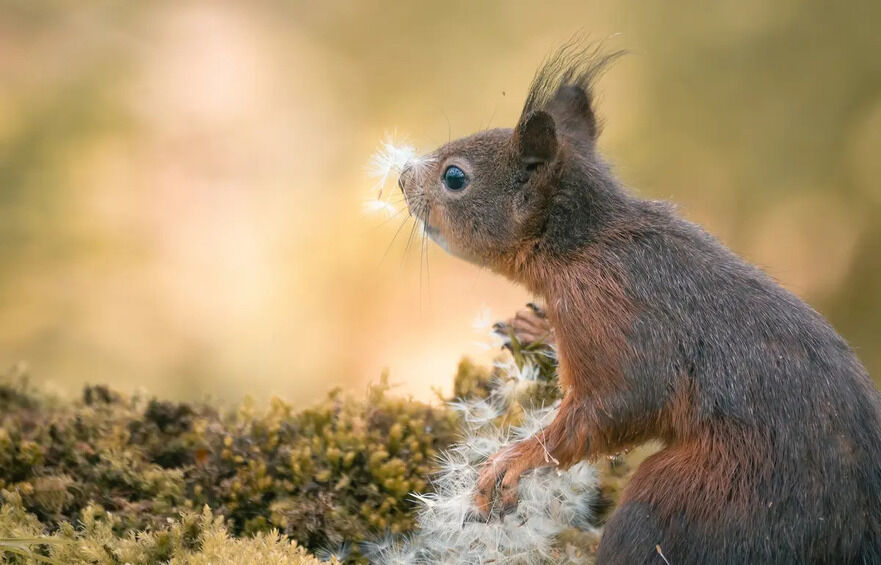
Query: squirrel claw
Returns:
{"type": "Point", "coordinates": [509, 501]}
{"type": "Point", "coordinates": [481, 511]}
{"type": "Point", "coordinates": [499, 481]}
{"type": "Point", "coordinates": [538, 310]}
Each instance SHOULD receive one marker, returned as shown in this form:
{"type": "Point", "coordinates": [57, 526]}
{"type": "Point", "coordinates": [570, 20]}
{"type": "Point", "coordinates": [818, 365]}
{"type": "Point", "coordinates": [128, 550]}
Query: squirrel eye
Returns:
{"type": "Point", "coordinates": [454, 178]}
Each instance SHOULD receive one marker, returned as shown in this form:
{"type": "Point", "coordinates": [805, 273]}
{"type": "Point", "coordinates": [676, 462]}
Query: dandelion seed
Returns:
{"type": "Point", "coordinates": [528, 372]}
{"type": "Point", "coordinates": [493, 342]}
{"type": "Point", "coordinates": [534, 421]}
{"type": "Point", "coordinates": [485, 345]}
{"type": "Point", "coordinates": [388, 161]}
{"type": "Point", "coordinates": [391, 159]}
{"type": "Point", "coordinates": [506, 392]}
{"type": "Point", "coordinates": [476, 413]}
{"type": "Point", "coordinates": [482, 323]}
{"type": "Point", "coordinates": [375, 206]}
{"type": "Point", "coordinates": [340, 553]}
{"type": "Point", "coordinates": [483, 320]}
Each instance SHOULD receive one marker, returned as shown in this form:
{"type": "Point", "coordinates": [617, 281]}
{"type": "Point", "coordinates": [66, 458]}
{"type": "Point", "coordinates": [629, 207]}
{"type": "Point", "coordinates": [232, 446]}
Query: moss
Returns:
{"type": "Point", "coordinates": [191, 539]}
{"type": "Point", "coordinates": [471, 380]}
{"type": "Point", "coordinates": [335, 473]}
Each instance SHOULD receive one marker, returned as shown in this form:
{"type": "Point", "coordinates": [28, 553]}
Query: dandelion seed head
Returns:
{"type": "Point", "coordinates": [551, 500]}
{"type": "Point", "coordinates": [390, 160]}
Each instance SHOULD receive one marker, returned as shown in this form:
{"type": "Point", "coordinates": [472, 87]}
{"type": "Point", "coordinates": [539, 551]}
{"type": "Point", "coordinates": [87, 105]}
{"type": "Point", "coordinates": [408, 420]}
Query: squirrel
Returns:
{"type": "Point", "coordinates": [770, 425]}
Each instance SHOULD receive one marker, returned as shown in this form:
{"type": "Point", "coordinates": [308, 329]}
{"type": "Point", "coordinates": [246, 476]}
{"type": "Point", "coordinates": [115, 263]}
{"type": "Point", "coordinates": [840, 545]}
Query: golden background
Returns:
{"type": "Point", "coordinates": [181, 183]}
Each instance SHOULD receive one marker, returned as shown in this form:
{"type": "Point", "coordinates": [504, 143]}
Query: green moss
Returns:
{"type": "Point", "coordinates": [338, 472]}
{"type": "Point", "coordinates": [191, 539]}
{"type": "Point", "coordinates": [471, 380]}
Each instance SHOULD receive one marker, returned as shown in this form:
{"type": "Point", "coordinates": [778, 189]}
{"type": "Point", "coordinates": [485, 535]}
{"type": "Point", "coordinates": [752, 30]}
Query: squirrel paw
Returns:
{"type": "Point", "coordinates": [529, 325]}
{"type": "Point", "coordinates": [495, 480]}
{"type": "Point", "coordinates": [500, 475]}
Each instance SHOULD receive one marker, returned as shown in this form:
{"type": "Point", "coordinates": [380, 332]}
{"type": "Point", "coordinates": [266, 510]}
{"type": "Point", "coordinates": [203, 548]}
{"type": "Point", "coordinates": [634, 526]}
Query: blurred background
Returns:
{"type": "Point", "coordinates": [181, 183]}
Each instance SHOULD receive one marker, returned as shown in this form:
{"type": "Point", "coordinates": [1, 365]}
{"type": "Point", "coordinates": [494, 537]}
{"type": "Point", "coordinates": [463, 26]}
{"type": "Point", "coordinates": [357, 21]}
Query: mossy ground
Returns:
{"type": "Point", "coordinates": [336, 472]}
{"type": "Point", "coordinates": [110, 478]}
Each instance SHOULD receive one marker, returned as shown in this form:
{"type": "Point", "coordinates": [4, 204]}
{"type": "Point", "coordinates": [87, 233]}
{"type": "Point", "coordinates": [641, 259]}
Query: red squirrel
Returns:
{"type": "Point", "coordinates": [771, 426]}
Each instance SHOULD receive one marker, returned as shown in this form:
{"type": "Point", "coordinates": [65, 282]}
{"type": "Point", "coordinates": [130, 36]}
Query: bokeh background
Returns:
{"type": "Point", "coordinates": [181, 183]}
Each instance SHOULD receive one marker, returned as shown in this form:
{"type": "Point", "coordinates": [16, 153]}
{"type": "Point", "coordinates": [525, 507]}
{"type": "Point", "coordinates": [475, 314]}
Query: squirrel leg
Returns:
{"type": "Point", "coordinates": [561, 444]}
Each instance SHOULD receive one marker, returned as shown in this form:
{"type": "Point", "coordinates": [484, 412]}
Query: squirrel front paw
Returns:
{"type": "Point", "coordinates": [499, 479]}
{"type": "Point", "coordinates": [529, 325]}
{"type": "Point", "coordinates": [499, 482]}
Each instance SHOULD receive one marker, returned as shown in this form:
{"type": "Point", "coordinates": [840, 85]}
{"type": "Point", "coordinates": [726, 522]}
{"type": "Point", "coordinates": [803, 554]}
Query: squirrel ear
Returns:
{"type": "Point", "coordinates": [536, 138]}
{"type": "Point", "coordinates": [572, 107]}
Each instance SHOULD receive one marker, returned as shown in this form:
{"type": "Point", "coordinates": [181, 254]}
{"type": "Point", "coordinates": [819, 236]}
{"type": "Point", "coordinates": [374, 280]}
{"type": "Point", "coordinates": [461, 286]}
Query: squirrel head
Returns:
{"type": "Point", "coordinates": [488, 197]}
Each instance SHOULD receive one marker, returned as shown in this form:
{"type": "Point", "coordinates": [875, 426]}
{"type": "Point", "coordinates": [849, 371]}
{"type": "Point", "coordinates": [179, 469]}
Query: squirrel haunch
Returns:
{"type": "Point", "coordinates": [771, 426]}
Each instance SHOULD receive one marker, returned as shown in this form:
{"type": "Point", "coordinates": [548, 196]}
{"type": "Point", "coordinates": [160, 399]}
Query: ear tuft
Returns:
{"type": "Point", "coordinates": [536, 138]}
{"type": "Point", "coordinates": [573, 107]}
{"type": "Point", "coordinates": [563, 87]}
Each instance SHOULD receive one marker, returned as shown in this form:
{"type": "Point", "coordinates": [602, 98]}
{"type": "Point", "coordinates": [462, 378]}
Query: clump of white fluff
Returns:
{"type": "Point", "coordinates": [551, 500]}
{"type": "Point", "coordinates": [386, 165]}
{"type": "Point", "coordinates": [389, 161]}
